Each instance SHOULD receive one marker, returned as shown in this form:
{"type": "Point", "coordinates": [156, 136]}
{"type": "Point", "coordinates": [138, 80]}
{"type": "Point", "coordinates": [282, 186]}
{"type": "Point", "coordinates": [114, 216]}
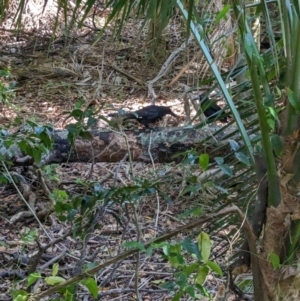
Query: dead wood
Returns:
{"type": "Point", "coordinates": [160, 144]}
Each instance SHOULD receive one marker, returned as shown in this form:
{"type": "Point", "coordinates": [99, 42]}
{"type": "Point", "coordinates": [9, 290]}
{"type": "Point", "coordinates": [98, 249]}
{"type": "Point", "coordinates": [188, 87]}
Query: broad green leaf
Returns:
{"type": "Point", "coordinates": [19, 295]}
{"type": "Point", "coordinates": [204, 161]}
{"type": "Point", "coordinates": [214, 267]}
{"type": "Point", "coordinates": [178, 296]}
{"type": "Point", "coordinates": [91, 285]}
{"type": "Point", "coordinates": [275, 260]}
{"type": "Point", "coordinates": [234, 145]}
{"type": "Point", "coordinates": [294, 100]}
{"type": "Point", "coordinates": [54, 280]}
{"type": "Point", "coordinates": [175, 257]}
{"type": "Point", "coordinates": [242, 158]}
{"type": "Point", "coordinates": [149, 251]}
{"type": "Point", "coordinates": [204, 244]}
{"type": "Point", "coordinates": [202, 274]}
{"type": "Point", "coordinates": [226, 169]}
{"type": "Point", "coordinates": [55, 269]}
{"type": "Point", "coordinates": [32, 278]}
{"type": "Point", "coordinates": [190, 290]}
{"type": "Point", "coordinates": [271, 123]}
{"type": "Point", "coordinates": [169, 285]}
{"type": "Point", "coordinates": [181, 279]}
{"type": "Point", "coordinates": [188, 270]}
{"type": "Point", "coordinates": [21, 298]}
{"type": "Point", "coordinates": [191, 247]}
{"type": "Point", "coordinates": [219, 160]}
{"type": "Point", "coordinates": [77, 114]}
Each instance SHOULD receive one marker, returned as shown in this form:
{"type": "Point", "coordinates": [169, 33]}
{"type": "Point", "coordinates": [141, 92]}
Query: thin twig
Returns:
{"type": "Point", "coordinates": [157, 196]}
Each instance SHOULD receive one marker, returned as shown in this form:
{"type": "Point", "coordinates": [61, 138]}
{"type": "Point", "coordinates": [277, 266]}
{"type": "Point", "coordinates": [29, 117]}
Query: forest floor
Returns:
{"type": "Point", "coordinates": [108, 74]}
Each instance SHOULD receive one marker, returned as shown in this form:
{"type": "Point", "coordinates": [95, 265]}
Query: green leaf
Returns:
{"type": "Point", "coordinates": [222, 14]}
{"type": "Point", "coordinates": [19, 295]}
{"type": "Point", "coordinates": [234, 145]}
{"type": "Point", "coordinates": [294, 100]}
{"type": "Point", "coordinates": [273, 113]}
{"type": "Point", "coordinates": [32, 278]}
{"type": "Point", "coordinates": [219, 160]}
{"type": "Point", "coordinates": [191, 247]}
{"type": "Point", "coordinates": [175, 257]}
{"type": "Point", "coordinates": [55, 269]}
{"type": "Point", "coordinates": [77, 114]}
{"type": "Point", "coordinates": [204, 245]}
{"type": "Point", "coordinates": [78, 104]}
{"type": "Point", "coordinates": [54, 280]}
{"type": "Point", "coordinates": [277, 145]}
{"type": "Point", "coordinates": [192, 189]}
{"type": "Point", "coordinates": [202, 274]}
{"type": "Point", "coordinates": [134, 245]}
{"type": "Point", "coordinates": [91, 121]}
{"type": "Point", "coordinates": [192, 212]}
{"type": "Point", "coordinates": [214, 267]}
{"type": "Point", "coordinates": [275, 260]}
{"type": "Point", "coordinates": [188, 270]}
{"type": "Point", "coordinates": [222, 189]}
{"type": "Point", "coordinates": [226, 169]}
{"type": "Point", "coordinates": [181, 279]}
{"type": "Point", "coordinates": [271, 123]}
{"type": "Point", "coordinates": [91, 285]}
{"type": "Point", "coordinates": [204, 161]}
{"type": "Point", "coordinates": [242, 158]}
{"type": "Point", "coordinates": [190, 290]}
{"type": "Point", "coordinates": [85, 135]}
{"type": "Point", "coordinates": [178, 296]}
{"type": "Point", "coordinates": [248, 45]}
{"type": "Point", "coordinates": [168, 285]}
{"type": "Point", "coordinates": [149, 251]}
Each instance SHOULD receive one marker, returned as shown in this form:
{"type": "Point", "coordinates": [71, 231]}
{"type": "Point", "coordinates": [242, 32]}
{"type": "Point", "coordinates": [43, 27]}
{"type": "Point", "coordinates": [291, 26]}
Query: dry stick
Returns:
{"type": "Point", "coordinates": [128, 75]}
{"type": "Point", "coordinates": [184, 68]}
{"type": "Point", "coordinates": [164, 237]}
{"type": "Point", "coordinates": [157, 197]}
{"type": "Point", "coordinates": [129, 290]}
{"type": "Point", "coordinates": [42, 250]}
{"type": "Point", "coordinates": [138, 238]}
{"type": "Point", "coordinates": [23, 199]}
{"type": "Point", "coordinates": [53, 260]}
{"type": "Point", "coordinates": [173, 56]}
{"type": "Point", "coordinates": [44, 184]}
{"type": "Point", "coordinates": [117, 167]}
{"type": "Point", "coordinates": [93, 162]}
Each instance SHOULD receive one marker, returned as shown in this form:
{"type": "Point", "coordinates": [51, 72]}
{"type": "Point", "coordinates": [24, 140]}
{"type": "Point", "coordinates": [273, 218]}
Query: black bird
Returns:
{"type": "Point", "coordinates": [210, 109]}
{"type": "Point", "coordinates": [146, 115]}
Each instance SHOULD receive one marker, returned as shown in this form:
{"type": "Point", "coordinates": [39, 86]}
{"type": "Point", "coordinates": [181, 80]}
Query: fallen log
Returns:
{"type": "Point", "coordinates": [110, 146]}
